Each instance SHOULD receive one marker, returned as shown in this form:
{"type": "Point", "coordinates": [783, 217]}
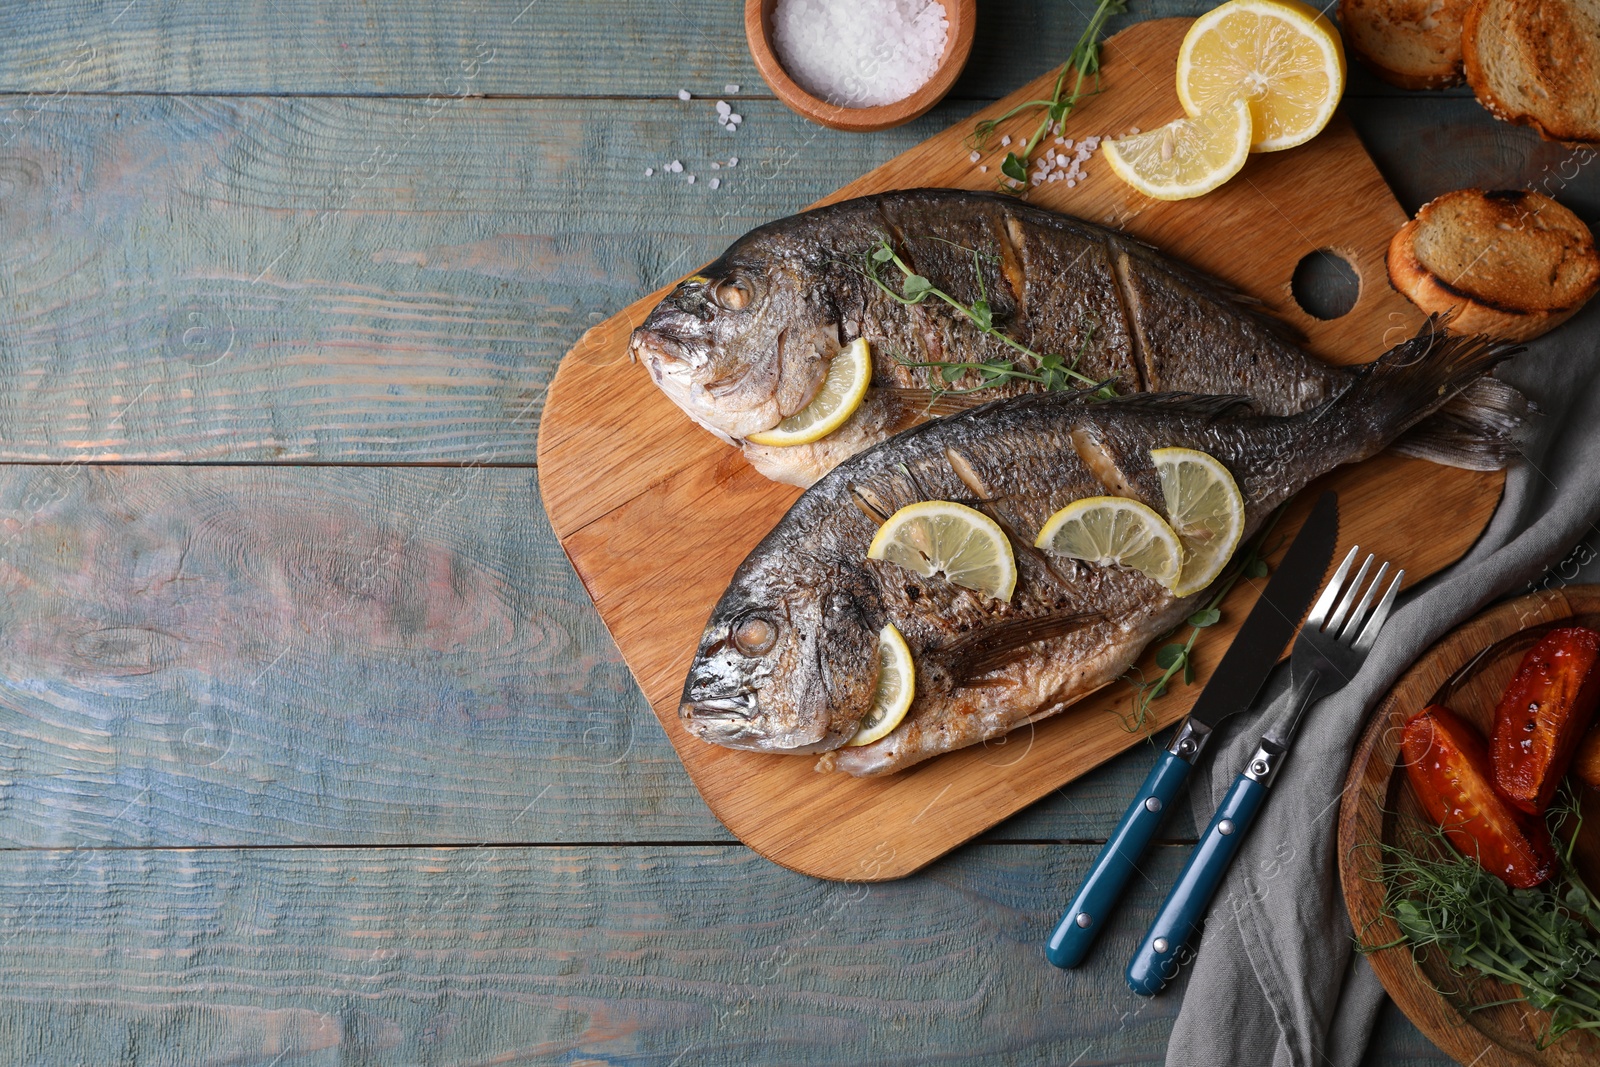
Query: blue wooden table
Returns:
{"type": "Point", "coordinates": [312, 749]}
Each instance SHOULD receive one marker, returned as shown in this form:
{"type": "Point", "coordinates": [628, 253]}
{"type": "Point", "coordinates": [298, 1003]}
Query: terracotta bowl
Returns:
{"type": "Point", "coordinates": [962, 16]}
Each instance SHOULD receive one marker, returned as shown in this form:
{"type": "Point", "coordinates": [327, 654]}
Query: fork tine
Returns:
{"type": "Point", "coordinates": [1380, 615]}
{"type": "Point", "coordinates": [1319, 611]}
{"type": "Point", "coordinates": [1348, 633]}
{"type": "Point", "coordinates": [1349, 598]}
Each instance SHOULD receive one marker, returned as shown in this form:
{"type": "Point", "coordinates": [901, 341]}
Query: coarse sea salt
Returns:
{"type": "Point", "coordinates": [860, 53]}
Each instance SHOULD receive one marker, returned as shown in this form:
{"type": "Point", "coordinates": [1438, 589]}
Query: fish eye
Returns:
{"type": "Point", "coordinates": [733, 294]}
{"type": "Point", "coordinates": [754, 634]}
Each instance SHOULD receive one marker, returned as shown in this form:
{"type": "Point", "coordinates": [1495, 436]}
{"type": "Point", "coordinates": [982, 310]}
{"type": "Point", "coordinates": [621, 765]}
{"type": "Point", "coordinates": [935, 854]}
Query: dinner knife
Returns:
{"type": "Point", "coordinates": [1233, 687]}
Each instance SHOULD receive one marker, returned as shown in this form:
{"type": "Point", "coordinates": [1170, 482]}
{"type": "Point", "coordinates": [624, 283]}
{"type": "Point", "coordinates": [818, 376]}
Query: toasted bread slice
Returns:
{"type": "Point", "coordinates": [1510, 264]}
{"type": "Point", "coordinates": [1537, 63]}
{"type": "Point", "coordinates": [1415, 44]}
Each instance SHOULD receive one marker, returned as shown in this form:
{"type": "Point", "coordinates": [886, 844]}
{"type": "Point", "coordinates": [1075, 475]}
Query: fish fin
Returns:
{"type": "Point", "coordinates": [931, 402]}
{"type": "Point", "coordinates": [992, 647]}
{"type": "Point", "coordinates": [1481, 428]}
{"type": "Point", "coordinates": [1416, 378]}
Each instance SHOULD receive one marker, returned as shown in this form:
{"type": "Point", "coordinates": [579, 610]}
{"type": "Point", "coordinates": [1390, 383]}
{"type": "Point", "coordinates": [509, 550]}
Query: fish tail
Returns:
{"type": "Point", "coordinates": [1425, 374]}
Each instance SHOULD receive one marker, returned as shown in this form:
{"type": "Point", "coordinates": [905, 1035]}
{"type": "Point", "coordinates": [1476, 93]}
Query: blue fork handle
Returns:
{"type": "Point", "coordinates": [1116, 863]}
{"type": "Point", "coordinates": [1161, 953]}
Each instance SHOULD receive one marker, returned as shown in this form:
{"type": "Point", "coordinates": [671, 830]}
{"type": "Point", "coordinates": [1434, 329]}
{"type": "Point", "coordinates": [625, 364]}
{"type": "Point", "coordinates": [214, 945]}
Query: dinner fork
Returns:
{"type": "Point", "coordinates": [1337, 635]}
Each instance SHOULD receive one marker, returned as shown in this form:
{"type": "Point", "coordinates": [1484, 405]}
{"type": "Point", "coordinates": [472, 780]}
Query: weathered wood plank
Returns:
{"type": "Point", "coordinates": [649, 956]}
{"type": "Point", "coordinates": [512, 47]}
{"type": "Point", "coordinates": [313, 655]}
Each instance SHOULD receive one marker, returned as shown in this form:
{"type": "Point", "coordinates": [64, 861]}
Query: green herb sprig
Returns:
{"type": "Point", "coordinates": [1542, 940]}
{"type": "Point", "coordinates": [1052, 371]}
{"type": "Point", "coordinates": [1178, 657]}
{"type": "Point", "coordinates": [1084, 61]}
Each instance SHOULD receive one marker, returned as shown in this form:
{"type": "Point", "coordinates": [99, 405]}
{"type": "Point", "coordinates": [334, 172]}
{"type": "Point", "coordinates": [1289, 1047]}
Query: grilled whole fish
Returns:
{"type": "Point", "coordinates": [748, 341]}
{"type": "Point", "coordinates": [789, 659]}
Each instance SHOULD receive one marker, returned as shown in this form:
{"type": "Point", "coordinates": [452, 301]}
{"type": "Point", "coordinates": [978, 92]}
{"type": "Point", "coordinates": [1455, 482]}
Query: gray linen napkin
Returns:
{"type": "Point", "coordinates": [1276, 979]}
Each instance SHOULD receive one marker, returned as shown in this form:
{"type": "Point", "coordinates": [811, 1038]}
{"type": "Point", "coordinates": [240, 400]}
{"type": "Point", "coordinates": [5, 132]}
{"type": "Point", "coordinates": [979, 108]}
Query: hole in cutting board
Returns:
{"type": "Point", "coordinates": [1325, 285]}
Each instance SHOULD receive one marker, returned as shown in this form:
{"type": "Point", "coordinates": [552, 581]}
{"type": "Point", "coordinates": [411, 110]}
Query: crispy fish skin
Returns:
{"type": "Point", "coordinates": [747, 342]}
{"type": "Point", "coordinates": [789, 656]}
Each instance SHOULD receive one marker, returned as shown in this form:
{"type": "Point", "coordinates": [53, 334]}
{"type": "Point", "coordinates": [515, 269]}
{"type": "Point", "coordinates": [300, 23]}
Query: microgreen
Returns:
{"type": "Point", "coordinates": [1177, 657]}
{"type": "Point", "coordinates": [1049, 370]}
{"type": "Point", "coordinates": [1084, 61]}
{"type": "Point", "coordinates": [1540, 940]}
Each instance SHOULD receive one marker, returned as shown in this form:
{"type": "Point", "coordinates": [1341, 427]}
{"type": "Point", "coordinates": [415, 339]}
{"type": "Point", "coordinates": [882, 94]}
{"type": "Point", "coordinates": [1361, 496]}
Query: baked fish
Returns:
{"type": "Point", "coordinates": [789, 659]}
{"type": "Point", "coordinates": [748, 341]}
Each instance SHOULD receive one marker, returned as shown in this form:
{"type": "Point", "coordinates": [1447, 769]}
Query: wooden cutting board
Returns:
{"type": "Point", "coordinates": [655, 513]}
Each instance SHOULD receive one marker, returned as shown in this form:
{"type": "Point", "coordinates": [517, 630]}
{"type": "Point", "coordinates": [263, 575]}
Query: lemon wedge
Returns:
{"type": "Point", "coordinates": [1115, 530]}
{"type": "Point", "coordinates": [1204, 508]}
{"type": "Point", "coordinates": [848, 377]}
{"type": "Point", "coordinates": [941, 537]}
{"type": "Point", "coordinates": [1282, 56]}
{"type": "Point", "coordinates": [891, 696]}
{"type": "Point", "coordinates": [1186, 157]}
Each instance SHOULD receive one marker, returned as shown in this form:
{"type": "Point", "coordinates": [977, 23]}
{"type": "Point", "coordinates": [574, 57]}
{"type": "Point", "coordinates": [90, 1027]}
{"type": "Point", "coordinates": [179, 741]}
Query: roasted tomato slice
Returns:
{"type": "Point", "coordinates": [1543, 715]}
{"type": "Point", "coordinates": [1449, 771]}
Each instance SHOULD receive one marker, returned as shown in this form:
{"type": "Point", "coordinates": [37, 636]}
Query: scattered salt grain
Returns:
{"type": "Point", "coordinates": [973, 158]}
{"type": "Point", "coordinates": [1005, 140]}
{"type": "Point", "coordinates": [716, 166]}
{"type": "Point", "coordinates": [859, 53]}
{"type": "Point", "coordinates": [1133, 129]}
{"type": "Point", "coordinates": [724, 108]}
{"type": "Point", "coordinates": [731, 88]}
{"type": "Point", "coordinates": [736, 118]}
{"type": "Point", "coordinates": [649, 171]}
{"type": "Point", "coordinates": [1072, 183]}
{"type": "Point", "coordinates": [691, 179]}
{"type": "Point", "coordinates": [675, 167]}
{"type": "Point", "coordinates": [733, 161]}
{"type": "Point", "coordinates": [983, 170]}
{"type": "Point", "coordinates": [716, 183]}
{"type": "Point", "coordinates": [683, 94]}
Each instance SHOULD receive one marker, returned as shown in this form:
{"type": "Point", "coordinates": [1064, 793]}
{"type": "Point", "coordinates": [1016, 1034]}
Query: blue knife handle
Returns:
{"type": "Point", "coordinates": [1116, 863]}
{"type": "Point", "coordinates": [1185, 908]}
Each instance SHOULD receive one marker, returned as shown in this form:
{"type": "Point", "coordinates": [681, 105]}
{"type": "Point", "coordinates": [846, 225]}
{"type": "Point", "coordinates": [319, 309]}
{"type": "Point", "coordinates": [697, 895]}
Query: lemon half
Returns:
{"type": "Point", "coordinates": [1204, 508]}
{"type": "Point", "coordinates": [1115, 530]}
{"type": "Point", "coordinates": [1282, 56]}
{"type": "Point", "coordinates": [891, 696]}
{"type": "Point", "coordinates": [848, 377]}
{"type": "Point", "coordinates": [1186, 157]}
{"type": "Point", "coordinates": [941, 537]}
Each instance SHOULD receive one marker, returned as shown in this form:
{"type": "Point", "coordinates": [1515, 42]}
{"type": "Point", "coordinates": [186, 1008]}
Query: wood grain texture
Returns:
{"type": "Point", "coordinates": [656, 523]}
{"type": "Point", "coordinates": [648, 956]}
{"type": "Point", "coordinates": [312, 655]}
{"type": "Point", "coordinates": [1467, 670]}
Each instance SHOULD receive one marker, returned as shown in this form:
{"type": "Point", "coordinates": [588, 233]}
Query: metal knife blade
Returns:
{"type": "Point", "coordinates": [1238, 679]}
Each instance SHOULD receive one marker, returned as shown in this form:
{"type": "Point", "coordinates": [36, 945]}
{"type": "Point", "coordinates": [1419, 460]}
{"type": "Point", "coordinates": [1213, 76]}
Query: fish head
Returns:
{"type": "Point", "coordinates": [792, 672]}
{"type": "Point", "coordinates": [742, 345]}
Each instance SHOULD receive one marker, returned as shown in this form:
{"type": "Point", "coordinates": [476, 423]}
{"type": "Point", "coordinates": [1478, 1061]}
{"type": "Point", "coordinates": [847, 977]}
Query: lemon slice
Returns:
{"type": "Point", "coordinates": [891, 696]}
{"type": "Point", "coordinates": [848, 377]}
{"type": "Point", "coordinates": [941, 537]}
{"type": "Point", "coordinates": [1205, 510]}
{"type": "Point", "coordinates": [1283, 56]}
{"type": "Point", "coordinates": [1114, 529]}
{"type": "Point", "coordinates": [1186, 157]}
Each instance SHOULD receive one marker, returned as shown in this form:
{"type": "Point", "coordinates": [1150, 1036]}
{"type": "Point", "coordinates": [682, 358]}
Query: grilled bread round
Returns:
{"type": "Point", "coordinates": [1537, 63]}
{"type": "Point", "coordinates": [1414, 44]}
{"type": "Point", "coordinates": [1512, 264]}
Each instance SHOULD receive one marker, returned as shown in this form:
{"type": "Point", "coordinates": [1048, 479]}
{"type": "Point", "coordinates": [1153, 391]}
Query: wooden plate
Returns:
{"type": "Point", "coordinates": [1467, 671]}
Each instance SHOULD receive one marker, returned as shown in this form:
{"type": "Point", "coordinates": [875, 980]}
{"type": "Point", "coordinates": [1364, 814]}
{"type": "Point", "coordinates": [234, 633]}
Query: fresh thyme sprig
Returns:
{"type": "Point", "coordinates": [1177, 658]}
{"type": "Point", "coordinates": [1541, 940]}
{"type": "Point", "coordinates": [1052, 371]}
{"type": "Point", "coordinates": [1085, 62]}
